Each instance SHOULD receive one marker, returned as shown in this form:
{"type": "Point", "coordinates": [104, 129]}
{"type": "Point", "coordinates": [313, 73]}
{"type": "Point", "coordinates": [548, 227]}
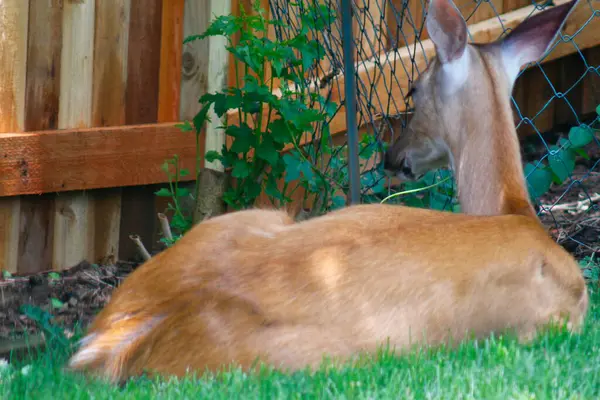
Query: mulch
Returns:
{"type": "Point", "coordinates": [72, 296]}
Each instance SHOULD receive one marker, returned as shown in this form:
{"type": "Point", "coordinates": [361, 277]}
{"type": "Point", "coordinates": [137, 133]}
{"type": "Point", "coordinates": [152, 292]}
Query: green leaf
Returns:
{"type": "Point", "coordinates": [562, 163]}
{"type": "Point", "coordinates": [182, 192]}
{"type": "Point", "coordinates": [439, 201]}
{"type": "Point", "coordinates": [239, 131]}
{"type": "Point", "coordinates": [180, 223]}
{"type": "Point", "coordinates": [201, 118]}
{"type": "Point", "coordinates": [252, 190]}
{"type": "Point", "coordinates": [580, 136]}
{"type": "Point", "coordinates": [338, 202]}
{"type": "Point", "coordinates": [185, 126]}
{"type": "Point", "coordinates": [244, 138]}
{"type": "Point", "coordinates": [272, 190]}
{"type": "Point", "coordinates": [53, 276]}
{"type": "Point", "coordinates": [598, 109]}
{"type": "Point", "coordinates": [224, 25]}
{"type": "Point", "coordinates": [582, 153]}
{"type": "Point", "coordinates": [56, 303]}
{"type": "Point", "coordinates": [241, 169]}
{"type": "Point", "coordinates": [184, 172]}
{"type": "Point", "coordinates": [292, 170]}
{"type": "Point", "coordinates": [164, 192]}
{"type": "Point", "coordinates": [6, 275]}
{"type": "Point", "coordinates": [538, 178]}
{"type": "Point", "coordinates": [212, 156]}
{"type": "Point", "coordinates": [280, 131]}
{"type": "Point", "coordinates": [223, 102]}
{"type": "Point", "coordinates": [266, 151]}
{"type": "Point", "coordinates": [564, 143]}
{"type": "Point", "coordinates": [242, 144]}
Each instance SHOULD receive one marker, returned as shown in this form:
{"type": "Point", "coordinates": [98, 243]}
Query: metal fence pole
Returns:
{"type": "Point", "coordinates": [350, 101]}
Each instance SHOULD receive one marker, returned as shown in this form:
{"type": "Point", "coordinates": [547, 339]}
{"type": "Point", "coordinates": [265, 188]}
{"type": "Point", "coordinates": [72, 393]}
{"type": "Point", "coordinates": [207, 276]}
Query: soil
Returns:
{"type": "Point", "coordinates": [571, 211]}
{"type": "Point", "coordinates": [74, 296]}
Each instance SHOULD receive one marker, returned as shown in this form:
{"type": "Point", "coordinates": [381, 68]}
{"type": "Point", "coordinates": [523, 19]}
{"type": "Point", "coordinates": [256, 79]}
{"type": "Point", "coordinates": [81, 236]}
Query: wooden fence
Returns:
{"type": "Point", "coordinates": [90, 92]}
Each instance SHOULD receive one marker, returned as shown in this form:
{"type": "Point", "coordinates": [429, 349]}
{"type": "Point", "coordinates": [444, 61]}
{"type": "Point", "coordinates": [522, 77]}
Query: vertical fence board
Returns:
{"type": "Point", "coordinates": [73, 216]}
{"type": "Point", "coordinates": [169, 88]}
{"type": "Point", "coordinates": [111, 42]}
{"type": "Point", "coordinates": [570, 69]}
{"type": "Point", "coordinates": [10, 209]}
{"type": "Point", "coordinates": [406, 22]}
{"type": "Point", "coordinates": [143, 61]}
{"type": "Point", "coordinates": [215, 67]}
{"type": "Point", "coordinates": [591, 83]}
{"type": "Point", "coordinates": [367, 29]}
{"type": "Point", "coordinates": [41, 113]}
{"type": "Point", "coordinates": [194, 76]}
{"type": "Point", "coordinates": [137, 207]}
{"type": "Point", "coordinates": [536, 91]}
{"type": "Point", "coordinates": [43, 67]}
{"type": "Point", "coordinates": [13, 66]}
{"type": "Point", "coordinates": [36, 233]}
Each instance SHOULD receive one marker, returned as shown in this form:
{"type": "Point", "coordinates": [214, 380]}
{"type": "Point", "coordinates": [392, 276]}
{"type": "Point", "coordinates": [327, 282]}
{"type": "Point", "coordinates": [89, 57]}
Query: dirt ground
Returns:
{"type": "Point", "coordinates": [76, 295]}
{"type": "Point", "coordinates": [72, 296]}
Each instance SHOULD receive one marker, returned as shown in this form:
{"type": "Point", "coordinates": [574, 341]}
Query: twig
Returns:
{"type": "Point", "coordinates": [95, 279]}
{"type": "Point", "coordinates": [164, 225]}
{"type": "Point", "coordinates": [575, 205]}
{"type": "Point", "coordinates": [141, 248]}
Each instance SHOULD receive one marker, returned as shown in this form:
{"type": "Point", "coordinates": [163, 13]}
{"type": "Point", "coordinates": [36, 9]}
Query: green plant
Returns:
{"type": "Point", "coordinates": [266, 123]}
{"type": "Point", "coordinates": [53, 333]}
{"type": "Point", "coordinates": [560, 160]}
{"type": "Point", "coordinates": [591, 269]}
{"type": "Point", "coordinates": [181, 221]}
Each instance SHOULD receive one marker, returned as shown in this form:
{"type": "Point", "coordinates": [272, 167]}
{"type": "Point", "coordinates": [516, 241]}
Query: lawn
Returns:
{"type": "Point", "coordinates": [556, 366]}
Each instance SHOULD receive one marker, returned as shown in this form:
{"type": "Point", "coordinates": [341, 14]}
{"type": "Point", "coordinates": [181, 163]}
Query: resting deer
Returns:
{"type": "Point", "coordinates": [255, 286]}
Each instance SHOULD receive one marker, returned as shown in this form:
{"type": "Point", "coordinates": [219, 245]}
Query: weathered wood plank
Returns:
{"type": "Point", "coordinates": [73, 233]}
{"type": "Point", "coordinates": [169, 87]}
{"type": "Point", "coordinates": [41, 113]}
{"type": "Point", "coordinates": [194, 79]}
{"type": "Point", "coordinates": [111, 42]}
{"type": "Point", "coordinates": [36, 233]}
{"type": "Point", "coordinates": [141, 108]}
{"type": "Point", "coordinates": [591, 82]}
{"type": "Point", "coordinates": [143, 61]}
{"type": "Point", "coordinates": [13, 64]}
{"type": "Point", "coordinates": [215, 65]}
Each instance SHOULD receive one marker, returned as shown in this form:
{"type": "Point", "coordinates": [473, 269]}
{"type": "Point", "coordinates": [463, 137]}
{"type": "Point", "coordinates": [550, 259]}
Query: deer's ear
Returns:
{"type": "Point", "coordinates": [447, 30]}
{"type": "Point", "coordinates": [531, 39]}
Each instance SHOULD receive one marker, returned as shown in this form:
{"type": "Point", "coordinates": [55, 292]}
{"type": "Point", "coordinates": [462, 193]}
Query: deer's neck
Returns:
{"type": "Point", "coordinates": [488, 164]}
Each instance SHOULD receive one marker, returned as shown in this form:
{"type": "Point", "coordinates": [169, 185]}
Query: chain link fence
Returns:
{"type": "Point", "coordinates": [554, 102]}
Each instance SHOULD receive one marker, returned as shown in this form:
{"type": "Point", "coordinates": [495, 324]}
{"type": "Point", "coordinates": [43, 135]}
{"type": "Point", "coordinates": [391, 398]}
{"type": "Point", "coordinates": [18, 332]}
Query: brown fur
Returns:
{"type": "Point", "coordinates": [254, 285]}
{"type": "Point", "coordinates": [334, 285]}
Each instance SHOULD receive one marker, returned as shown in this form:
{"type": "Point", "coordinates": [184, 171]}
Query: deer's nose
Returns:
{"type": "Point", "coordinates": [388, 163]}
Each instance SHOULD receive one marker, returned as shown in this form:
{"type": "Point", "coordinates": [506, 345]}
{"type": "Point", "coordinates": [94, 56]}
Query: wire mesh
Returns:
{"type": "Point", "coordinates": [549, 99]}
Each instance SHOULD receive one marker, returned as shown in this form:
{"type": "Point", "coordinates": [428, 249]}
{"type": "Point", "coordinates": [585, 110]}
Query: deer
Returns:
{"type": "Point", "coordinates": [255, 287]}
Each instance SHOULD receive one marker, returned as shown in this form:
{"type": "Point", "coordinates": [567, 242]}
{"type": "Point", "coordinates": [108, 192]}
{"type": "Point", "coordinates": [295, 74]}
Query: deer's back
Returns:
{"type": "Point", "coordinates": [342, 283]}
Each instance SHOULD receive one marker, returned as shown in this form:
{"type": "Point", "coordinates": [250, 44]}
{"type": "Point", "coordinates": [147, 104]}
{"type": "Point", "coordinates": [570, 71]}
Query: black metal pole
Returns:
{"type": "Point", "coordinates": [350, 101]}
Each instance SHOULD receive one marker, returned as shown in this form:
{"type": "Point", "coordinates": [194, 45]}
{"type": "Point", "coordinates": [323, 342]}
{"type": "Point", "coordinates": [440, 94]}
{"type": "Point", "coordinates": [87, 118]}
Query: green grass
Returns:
{"type": "Point", "coordinates": [556, 366]}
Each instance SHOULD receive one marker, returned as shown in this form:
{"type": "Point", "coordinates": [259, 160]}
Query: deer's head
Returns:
{"type": "Point", "coordinates": [464, 85]}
